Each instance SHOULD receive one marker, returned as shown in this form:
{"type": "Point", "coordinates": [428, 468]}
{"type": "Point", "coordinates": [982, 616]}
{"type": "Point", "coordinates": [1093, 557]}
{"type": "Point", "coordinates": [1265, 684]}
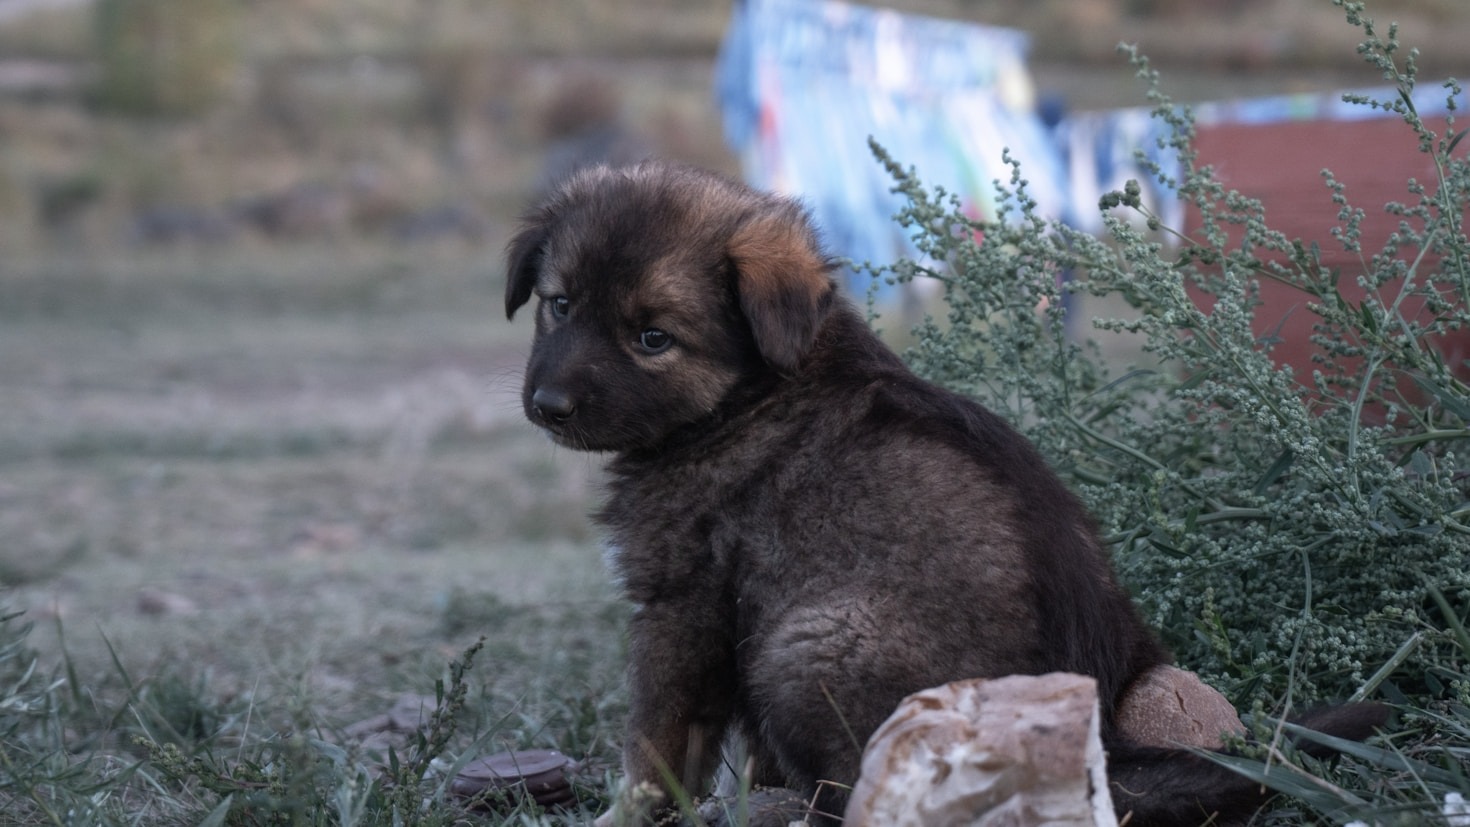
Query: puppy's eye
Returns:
{"type": "Point", "coordinates": [654, 340]}
{"type": "Point", "coordinates": [560, 306]}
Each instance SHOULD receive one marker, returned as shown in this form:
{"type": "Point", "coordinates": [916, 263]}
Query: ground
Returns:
{"type": "Point", "coordinates": [301, 468]}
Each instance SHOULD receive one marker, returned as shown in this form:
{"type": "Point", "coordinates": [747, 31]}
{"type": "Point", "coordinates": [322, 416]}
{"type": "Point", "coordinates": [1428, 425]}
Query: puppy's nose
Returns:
{"type": "Point", "coordinates": [553, 405]}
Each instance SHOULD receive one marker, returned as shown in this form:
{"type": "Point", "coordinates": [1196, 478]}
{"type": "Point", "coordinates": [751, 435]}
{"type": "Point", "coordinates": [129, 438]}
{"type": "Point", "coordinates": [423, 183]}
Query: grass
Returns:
{"type": "Point", "coordinates": [252, 499]}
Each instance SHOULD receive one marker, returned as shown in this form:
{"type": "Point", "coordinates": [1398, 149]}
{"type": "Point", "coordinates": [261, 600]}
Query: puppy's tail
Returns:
{"type": "Point", "coordinates": [1163, 787]}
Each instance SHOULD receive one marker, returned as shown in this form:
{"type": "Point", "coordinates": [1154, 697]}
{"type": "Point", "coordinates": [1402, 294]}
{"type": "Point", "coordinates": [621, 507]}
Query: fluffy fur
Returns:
{"type": "Point", "coordinates": [808, 531]}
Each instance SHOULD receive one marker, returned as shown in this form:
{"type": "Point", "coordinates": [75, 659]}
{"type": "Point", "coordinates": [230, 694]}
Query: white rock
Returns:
{"type": "Point", "coordinates": [1019, 750]}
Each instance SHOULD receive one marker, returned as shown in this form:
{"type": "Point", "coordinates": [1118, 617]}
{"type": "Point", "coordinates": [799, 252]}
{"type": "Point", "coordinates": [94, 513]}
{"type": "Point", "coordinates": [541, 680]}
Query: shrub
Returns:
{"type": "Point", "coordinates": [1283, 530]}
{"type": "Point", "coordinates": [1294, 537]}
{"type": "Point", "coordinates": [163, 57]}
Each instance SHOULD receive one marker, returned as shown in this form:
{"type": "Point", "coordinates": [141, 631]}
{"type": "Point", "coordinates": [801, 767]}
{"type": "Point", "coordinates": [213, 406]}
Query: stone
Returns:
{"type": "Point", "coordinates": [153, 601]}
{"type": "Point", "coordinates": [1172, 707]}
{"type": "Point", "coordinates": [392, 730]}
{"type": "Point", "coordinates": [1018, 750]}
{"type": "Point", "coordinates": [505, 779]}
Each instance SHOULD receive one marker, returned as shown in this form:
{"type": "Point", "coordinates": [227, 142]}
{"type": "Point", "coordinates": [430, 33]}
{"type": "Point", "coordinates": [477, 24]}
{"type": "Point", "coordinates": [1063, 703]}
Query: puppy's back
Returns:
{"type": "Point", "coordinates": [971, 518]}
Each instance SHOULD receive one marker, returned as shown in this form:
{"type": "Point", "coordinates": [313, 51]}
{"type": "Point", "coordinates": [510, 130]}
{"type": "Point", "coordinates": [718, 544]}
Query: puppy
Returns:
{"type": "Point", "coordinates": [808, 531]}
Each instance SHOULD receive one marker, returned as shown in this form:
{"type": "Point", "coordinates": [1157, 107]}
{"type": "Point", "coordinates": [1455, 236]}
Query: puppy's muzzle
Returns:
{"type": "Point", "coordinates": [553, 406]}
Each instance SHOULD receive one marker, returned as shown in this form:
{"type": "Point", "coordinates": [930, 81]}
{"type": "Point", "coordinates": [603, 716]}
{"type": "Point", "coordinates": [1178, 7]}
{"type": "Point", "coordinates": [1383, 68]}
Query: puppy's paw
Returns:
{"type": "Point", "coordinates": [763, 807]}
{"type": "Point", "coordinates": [635, 807]}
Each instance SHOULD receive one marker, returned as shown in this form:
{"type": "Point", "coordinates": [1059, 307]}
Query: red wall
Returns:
{"type": "Point", "coordinates": [1281, 164]}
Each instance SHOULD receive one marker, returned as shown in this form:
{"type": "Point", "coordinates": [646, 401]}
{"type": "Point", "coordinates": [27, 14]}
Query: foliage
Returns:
{"type": "Point", "coordinates": [1406, 779]}
{"type": "Point", "coordinates": [1282, 529]}
{"type": "Point", "coordinates": [1295, 537]}
{"type": "Point", "coordinates": [164, 57]}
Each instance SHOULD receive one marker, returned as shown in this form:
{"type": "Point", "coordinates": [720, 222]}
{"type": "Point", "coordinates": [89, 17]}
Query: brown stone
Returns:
{"type": "Point", "coordinates": [505, 779]}
{"type": "Point", "coordinates": [1172, 707]}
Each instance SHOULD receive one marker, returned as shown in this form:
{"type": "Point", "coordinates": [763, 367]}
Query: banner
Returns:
{"type": "Point", "coordinates": [803, 85]}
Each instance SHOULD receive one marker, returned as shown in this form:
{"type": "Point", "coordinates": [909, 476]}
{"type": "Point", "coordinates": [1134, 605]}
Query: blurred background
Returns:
{"type": "Point", "coordinates": [142, 122]}
{"type": "Point", "coordinates": [258, 402]}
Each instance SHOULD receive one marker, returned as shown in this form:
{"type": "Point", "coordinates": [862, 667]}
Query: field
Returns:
{"type": "Point", "coordinates": [293, 480]}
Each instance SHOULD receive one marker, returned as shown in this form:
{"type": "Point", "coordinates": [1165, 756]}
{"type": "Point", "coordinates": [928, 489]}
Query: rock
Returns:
{"type": "Point", "coordinates": [159, 602]}
{"type": "Point", "coordinates": [177, 223]}
{"type": "Point", "coordinates": [412, 711]}
{"type": "Point", "coordinates": [1007, 751]}
{"type": "Point", "coordinates": [1171, 707]}
{"type": "Point", "coordinates": [308, 209]}
{"type": "Point", "coordinates": [441, 221]}
{"type": "Point", "coordinates": [393, 729]}
{"type": "Point", "coordinates": [503, 780]}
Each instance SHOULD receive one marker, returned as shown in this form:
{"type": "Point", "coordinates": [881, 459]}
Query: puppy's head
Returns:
{"type": "Point", "coordinates": [659, 290]}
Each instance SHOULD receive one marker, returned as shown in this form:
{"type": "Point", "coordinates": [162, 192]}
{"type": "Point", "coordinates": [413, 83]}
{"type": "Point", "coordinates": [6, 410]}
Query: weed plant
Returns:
{"type": "Point", "coordinates": [1298, 535]}
{"type": "Point", "coordinates": [50, 770]}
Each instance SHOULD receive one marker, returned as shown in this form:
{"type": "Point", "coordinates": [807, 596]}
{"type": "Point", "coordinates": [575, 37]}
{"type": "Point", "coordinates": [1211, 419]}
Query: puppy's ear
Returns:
{"type": "Point", "coordinates": [523, 258]}
{"type": "Point", "coordinates": [783, 281]}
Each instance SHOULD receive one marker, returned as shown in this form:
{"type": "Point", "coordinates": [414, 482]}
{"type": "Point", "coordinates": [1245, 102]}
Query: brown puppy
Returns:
{"type": "Point", "coordinates": [809, 531]}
